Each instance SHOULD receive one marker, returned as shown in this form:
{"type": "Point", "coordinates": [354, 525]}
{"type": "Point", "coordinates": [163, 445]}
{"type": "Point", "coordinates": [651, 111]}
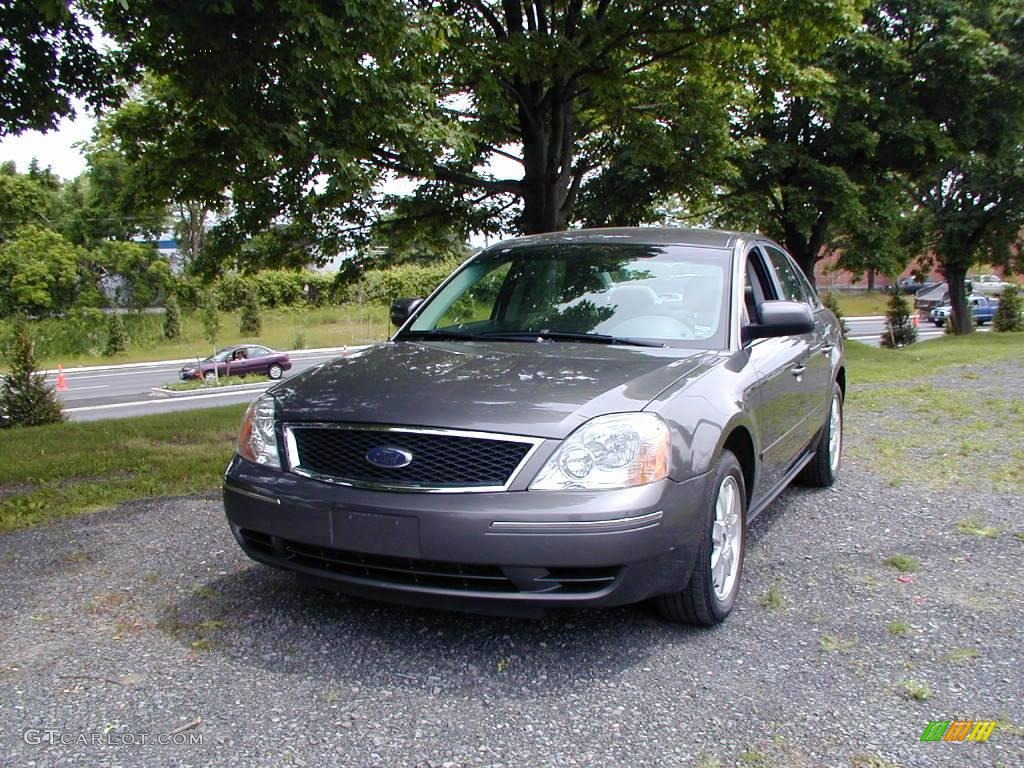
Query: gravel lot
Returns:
{"type": "Point", "coordinates": [133, 623]}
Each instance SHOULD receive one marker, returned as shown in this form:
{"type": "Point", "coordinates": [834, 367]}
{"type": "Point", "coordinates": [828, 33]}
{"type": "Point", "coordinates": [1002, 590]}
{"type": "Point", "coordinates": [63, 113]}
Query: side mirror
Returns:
{"type": "Point", "coordinates": [781, 318]}
{"type": "Point", "coordinates": [402, 309]}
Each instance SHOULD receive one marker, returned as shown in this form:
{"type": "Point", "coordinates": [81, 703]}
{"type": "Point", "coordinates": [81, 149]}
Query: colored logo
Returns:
{"type": "Point", "coordinates": [386, 457]}
{"type": "Point", "coordinates": [958, 730]}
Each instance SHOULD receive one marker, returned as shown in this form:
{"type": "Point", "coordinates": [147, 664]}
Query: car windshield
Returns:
{"type": "Point", "coordinates": [582, 292]}
{"type": "Point", "coordinates": [220, 356]}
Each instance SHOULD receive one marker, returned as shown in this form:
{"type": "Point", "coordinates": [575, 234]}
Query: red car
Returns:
{"type": "Point", "coordinates": [239, 360]}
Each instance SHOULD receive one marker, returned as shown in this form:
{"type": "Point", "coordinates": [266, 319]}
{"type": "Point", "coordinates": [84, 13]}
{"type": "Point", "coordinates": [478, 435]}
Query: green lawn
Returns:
{"type": "Point", "coordinates": [874, 365]}
{"type": "Point", "coordinates": [66, 469]}
{"type": "Point", "coordinates": [864, 304]}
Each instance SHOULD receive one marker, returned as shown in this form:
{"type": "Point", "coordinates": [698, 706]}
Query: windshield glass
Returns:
{"type": "Point", "coordinates": [658, 293]}
{"type": "Point", "coordinates": [220, 356]}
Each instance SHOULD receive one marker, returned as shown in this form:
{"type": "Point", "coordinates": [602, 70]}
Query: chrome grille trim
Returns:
{"type": "Point", "coordinates": [294, 466]}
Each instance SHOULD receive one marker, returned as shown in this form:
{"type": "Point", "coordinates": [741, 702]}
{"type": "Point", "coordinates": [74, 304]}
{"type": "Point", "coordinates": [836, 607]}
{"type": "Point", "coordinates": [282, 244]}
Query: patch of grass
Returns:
{"type": "Point", "coordinates": [752, 758]}
{"type": "Point", "coordinates": [976, 526]}
{"type": "Point", "coordinates": [1019, 536]}
{"type": "Point", "coordinates": [773, 599]}
{"type": "Point", "coordinates": [1010, 728]}
{"type": "Point", "coordinates": [223, 381]}
{"type": "Point", "coordinates": [862, 304]}
{"type": "Point", "coordinates": [874, 365]}
{"type": "Point", "coordinates": [915, 690]}
{"type": "Point", "coordinates": [76, 467]}
{"type": "Point", "coordinates": [898, 628]}
{"type": "Point", "coordinates": [865, 760]}
{"type": "Point", "coordinates": [903, 563]}
{"type": "Point", "coordinates": [836, 644]}
{"type": "Point", "coordinates": [962, 655]}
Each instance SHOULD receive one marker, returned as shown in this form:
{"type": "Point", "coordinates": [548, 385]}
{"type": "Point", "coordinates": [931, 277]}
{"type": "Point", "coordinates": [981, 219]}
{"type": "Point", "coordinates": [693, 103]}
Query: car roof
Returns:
{"type": "Point", "coordinates": [705, 238]}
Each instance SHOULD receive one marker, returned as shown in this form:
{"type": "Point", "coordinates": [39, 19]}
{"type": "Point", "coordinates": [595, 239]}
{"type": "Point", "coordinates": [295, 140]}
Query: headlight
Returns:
{"type": "Point", "coordinates": [615, 451]}
{"type": "Point", "coordinates": [256, 440]}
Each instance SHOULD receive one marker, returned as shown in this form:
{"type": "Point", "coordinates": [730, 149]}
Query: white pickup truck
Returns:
{"type": "Point", "coordinates": [989, 285]}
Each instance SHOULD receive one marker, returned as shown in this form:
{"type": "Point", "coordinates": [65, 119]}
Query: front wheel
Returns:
{"type": "Point", "coordinates": [210, 377]}
{"type": "Point", "coordinates": [711, 592]}
{"type": "Point", "coordinates": [275, 371]}
{"type": "Point", "coordinates": [824, 467]}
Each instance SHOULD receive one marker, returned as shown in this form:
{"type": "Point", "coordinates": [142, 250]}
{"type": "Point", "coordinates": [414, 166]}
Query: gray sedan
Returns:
{"type": "Point", "coordinates": [581, 418]}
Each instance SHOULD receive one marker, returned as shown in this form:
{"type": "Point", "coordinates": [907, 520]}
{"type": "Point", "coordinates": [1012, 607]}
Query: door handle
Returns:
{"type": "Point", "coordinates": [798, 370]}
{"type": "Point", "coordinates": [827, 349]}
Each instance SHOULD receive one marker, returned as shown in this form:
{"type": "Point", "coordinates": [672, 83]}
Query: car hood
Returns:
{"type": "Point", "coordinates": [530, 388]}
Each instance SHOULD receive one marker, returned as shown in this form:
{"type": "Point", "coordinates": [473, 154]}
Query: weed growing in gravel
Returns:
{"type": "Point", "coordinates": [915, 690]}
{"type": "Point", "coordinates": [962, 655]}
{"type": "Point", "coordinates": [707, 761]}
{"type": "Point", "coordinates": [976, 526]}
{"type": "Point", "coordinates": [773, 599]}
{"type": "Point", "coordinates": [1019, 536]}
{"type": "Point", "coordinates": [864, 760]}
{"type": "Point", "coordinates": [754, 759]}
{"type": "Point", "coordinates": [836, 644]}
{"type": "Point", "coordinates": [204, 592]}
{"type": "Point", "coordinates": [903, 563]}
{"type": "Point", "coordinates": [899, 628]}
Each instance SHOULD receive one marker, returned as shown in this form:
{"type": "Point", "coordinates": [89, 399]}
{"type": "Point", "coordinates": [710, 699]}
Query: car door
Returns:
{"type": "Point", "coordinates": [778, 397]}
{"type": "Point", "coordinates": [816, 381]}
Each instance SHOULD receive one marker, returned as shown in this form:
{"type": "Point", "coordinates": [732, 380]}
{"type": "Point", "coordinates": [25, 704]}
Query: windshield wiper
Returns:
{"type": "Point", "coordinates": [438, 334]}
{"type": "Point", "coordinates": [586, 338]}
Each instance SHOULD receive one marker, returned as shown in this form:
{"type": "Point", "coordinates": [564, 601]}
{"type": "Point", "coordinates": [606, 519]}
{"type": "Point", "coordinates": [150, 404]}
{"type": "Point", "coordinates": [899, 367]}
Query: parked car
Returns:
{"type": "Point", "coordinates": [928, 299]}
{"type": "Point", "coordinates": [239, 360]}
{"type": "Point", "coordinates": [914, 285]}
{"type": "Point", "coordinates": [983, 309]}
{"type": "Point", "coordinates": [989, 285]}
{"type": "Point", "coordinates": [582, 418]}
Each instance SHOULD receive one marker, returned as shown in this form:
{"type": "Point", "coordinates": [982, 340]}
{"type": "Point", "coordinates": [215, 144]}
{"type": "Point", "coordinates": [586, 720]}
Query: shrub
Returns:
{"type": "Point", "coordinates": [1008, 314]}
{"type": "Point", "coordinates": [250, 323]}
{"type": "Point", "coordinates": [899, 327]}
{"type": "Point", "coordinates": [210, 317]}
{"type": "Point", "coordinates": [172, 319]}
{"type": "Point", "coordinates": [117, 336]}
{"type": "Point", "coordinates": [25, 398]}
{"type": "Point", "coordinates": [832, 303]}
{"type": "Point", "coordinates": [385, 285]}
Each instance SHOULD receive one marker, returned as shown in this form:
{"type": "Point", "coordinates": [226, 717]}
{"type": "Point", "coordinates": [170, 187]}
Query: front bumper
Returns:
{"type": "Point", "coordinates": [505, 551]}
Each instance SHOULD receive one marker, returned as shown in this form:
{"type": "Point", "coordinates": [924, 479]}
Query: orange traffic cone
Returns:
{"type": "Point", "coordinates": [62, 380]}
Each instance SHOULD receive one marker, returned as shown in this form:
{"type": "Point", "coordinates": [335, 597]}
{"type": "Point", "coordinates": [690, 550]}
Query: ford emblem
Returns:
{"type": "Point", "coordinates": [388, 457]}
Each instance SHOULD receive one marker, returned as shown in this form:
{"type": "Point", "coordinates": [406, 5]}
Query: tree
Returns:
{"type": "Point", "coordinates": [611, 101]}
{"type": "Point", "coordinates": [1009, 314]}
{"type": "Point", "coordinates": [172, 319]}
{"type": "Point", "coordinates": [25, 398]}
{"type": "Point", "coordinates": [900, 330]}
{"type": "Point", "coordinates": [210, 315]}
{"type": "Point", "coordinates": [954, 83]}
{"type": "Point", "coordinates": [135, 273]}
{"type": "Point", "coordinates": [48, 58]}
{"type": "Point", "coordinates": [39, 272]}
{"type": "Point", "coordinates": [117, 336]}
{"type": "Point", "coordinates": [23, 200]}
{"type": "Point", "coordinates": [250, 323]}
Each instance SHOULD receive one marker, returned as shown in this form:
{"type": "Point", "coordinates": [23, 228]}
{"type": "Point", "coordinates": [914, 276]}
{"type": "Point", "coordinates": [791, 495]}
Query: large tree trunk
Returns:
{"type": "Point", "coordinates": [548, 142]}
{"type": "Point", "coordinates": [804, 247]}
{"type": "Point", "coordinates": [961, 318]}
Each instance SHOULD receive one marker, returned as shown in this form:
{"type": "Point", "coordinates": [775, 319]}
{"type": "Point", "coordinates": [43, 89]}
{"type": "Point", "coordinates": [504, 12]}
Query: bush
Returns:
{"type": "Point", "coordinates": [900, 330]}
{"type": "Point", "coordinates": [382, 286]}
{"type": "Point", "coordinates": [250, 323]}
{"type": "Point", "coordinates": [210, 316]}
{"type": "Point", "coordinates": [172, 319]}
{"type": "Point", "coordinates": [832, 303]}
{"type": "Point", "coordinates": [1008, 313]}
{"type": "Point", "coordinates": [25, 398]}
{"type": "Point", "coordinates": [117, 336]}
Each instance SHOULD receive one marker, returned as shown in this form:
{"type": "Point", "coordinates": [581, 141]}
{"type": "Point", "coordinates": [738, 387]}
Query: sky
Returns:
{"type": "Point", "coordinates": [53, 149]}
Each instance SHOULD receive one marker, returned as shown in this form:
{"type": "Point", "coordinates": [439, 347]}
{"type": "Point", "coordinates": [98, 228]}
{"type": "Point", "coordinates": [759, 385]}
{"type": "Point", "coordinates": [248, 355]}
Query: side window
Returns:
{"type": "Point", "coordinates": [757, 288]}
{"type": "Point", "coordinates": [258, 352]}
{"type": "Point", "coordinates": [794, 285]}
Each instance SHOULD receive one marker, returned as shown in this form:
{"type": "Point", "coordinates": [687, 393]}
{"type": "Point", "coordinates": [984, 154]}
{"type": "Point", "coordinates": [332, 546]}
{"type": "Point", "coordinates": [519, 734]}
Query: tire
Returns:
{"type": "Point", "coordinates": [210, 376]}
{"type": "Point", "coordinates": [828, 455]}
{"type": "Point", "coordinates": [700, 601]}
{"type": "Point", "coordinates": [275, 371]}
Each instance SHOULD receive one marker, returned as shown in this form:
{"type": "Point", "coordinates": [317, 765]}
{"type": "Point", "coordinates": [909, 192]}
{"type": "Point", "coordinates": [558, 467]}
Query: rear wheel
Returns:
{"type": "Point", "coordinates": [711, 592]}
{"type": "Point", "coordinates": [275, 371]}
{"type": "Point", "coordinates": [824, 467]}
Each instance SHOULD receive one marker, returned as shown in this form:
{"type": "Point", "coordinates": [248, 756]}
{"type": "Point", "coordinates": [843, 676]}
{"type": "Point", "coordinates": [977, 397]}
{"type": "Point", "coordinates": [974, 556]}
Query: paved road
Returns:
{"type": "Point", "coordinates": [121, 391]}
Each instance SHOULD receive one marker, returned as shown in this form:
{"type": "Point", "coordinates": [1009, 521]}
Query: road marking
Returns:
{"type": "Point", "coordinates": [136, 403]}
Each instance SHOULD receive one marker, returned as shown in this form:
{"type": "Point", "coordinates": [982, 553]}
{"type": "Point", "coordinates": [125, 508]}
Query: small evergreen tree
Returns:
{"type": "Point", "coordinates": [832, 303]}
{"type": "Point", "coordinates": [172, 319]}
{"type": "Point", "coordinates": [1008, 314]}
{"type": "Point", "coordinates": [900, 330]}
{"type": "Point", "coordinates": [117, 336]}
{"type": "Point", "coordinates": [25, 398]}
{"type": "Point", "coordinates": [210, 315]}
{"type": "Point", "coordinates": [250, 323]}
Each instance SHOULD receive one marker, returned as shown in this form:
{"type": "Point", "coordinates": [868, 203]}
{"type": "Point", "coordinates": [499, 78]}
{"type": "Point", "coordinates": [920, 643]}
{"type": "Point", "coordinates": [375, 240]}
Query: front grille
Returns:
{"type": "Point", "coordinates": [439, 460]}
{"type": "Point", "coordinates": [455, 577]}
